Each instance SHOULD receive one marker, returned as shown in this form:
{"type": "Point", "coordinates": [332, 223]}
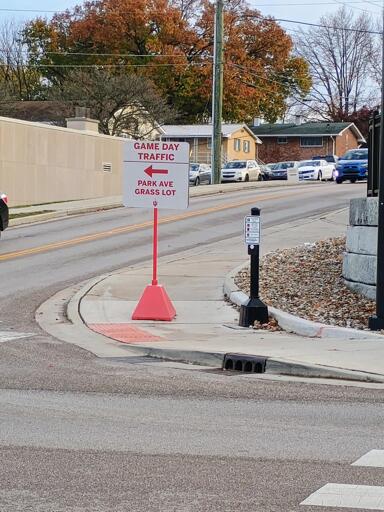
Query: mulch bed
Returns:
{"type": "Point", "coordinates": [307, 281]}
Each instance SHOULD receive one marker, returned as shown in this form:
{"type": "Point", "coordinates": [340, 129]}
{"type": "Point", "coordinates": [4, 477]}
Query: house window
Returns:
{"type": "Point", "coordinates": [209, 143]}
{"type": "Point", "coordinates": [282, 140]}
{"type": "Point", "coordinates": [312, 142]}
{"type": "Point", "coordinates": [237, 144]}
{"type": "Point", "coordinates": [246, 146]}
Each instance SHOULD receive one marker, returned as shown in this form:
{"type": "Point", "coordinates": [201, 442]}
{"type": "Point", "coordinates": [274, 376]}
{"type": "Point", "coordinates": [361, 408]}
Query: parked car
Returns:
{"type": "Point", "coordinates": [332, 159]}
{"type": "Point", "coordinates": [199, 173]}
{"type": "Point", "coordinates": [265, 170]}
{"type": "Point", "coordinates": [352, 166]}
{"type": "Point", "coordinates": [241, 170]}
{"type": "Point", "coordinates": [279, 171]}
{"type": "Point", "coordinates": [315, 170]}
{"type": "Point", "coordinates": [4, 214]}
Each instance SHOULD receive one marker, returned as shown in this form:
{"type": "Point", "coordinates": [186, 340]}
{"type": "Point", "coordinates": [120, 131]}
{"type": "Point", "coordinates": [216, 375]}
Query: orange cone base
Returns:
{"type": "Point", "coordinates": [154, 304]}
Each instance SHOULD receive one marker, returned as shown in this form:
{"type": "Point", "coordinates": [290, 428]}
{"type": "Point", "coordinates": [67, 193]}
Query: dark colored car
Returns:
{"type": "Point", "coordinates": [265, 170]}
{"type": "Point", "coordinates": [4, 215]}
{"type": "Point", "coordinates": [352, 166]}
{"type": "Point", "coordinates": [332, 159]}
{"type": "Point", "coordinates": [279, 171]}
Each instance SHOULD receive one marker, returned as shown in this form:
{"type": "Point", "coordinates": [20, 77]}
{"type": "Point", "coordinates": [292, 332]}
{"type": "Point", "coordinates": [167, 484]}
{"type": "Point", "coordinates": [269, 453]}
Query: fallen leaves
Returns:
{"type": "Point", "coordinates": [307, 281]}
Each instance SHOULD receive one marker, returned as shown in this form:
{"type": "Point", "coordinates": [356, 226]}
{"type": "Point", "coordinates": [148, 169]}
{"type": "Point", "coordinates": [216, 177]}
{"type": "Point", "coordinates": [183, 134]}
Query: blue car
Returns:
{"type": "Point", "coordinates": [352, 166]}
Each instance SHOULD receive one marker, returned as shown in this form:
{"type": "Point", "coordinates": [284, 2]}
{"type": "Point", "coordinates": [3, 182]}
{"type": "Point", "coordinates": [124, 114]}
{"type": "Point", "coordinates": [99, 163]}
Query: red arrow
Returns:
{"type": "Point", "coordinates": [150, 171]}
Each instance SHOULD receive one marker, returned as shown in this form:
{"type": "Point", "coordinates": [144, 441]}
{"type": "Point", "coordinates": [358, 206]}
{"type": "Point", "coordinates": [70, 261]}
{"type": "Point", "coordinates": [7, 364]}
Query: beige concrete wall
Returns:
{"type": "Point", "coordinates": [40, 163]}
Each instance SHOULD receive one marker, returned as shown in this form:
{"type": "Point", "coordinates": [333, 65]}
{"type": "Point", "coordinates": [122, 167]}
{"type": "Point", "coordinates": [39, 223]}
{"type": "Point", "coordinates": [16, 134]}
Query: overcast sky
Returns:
{"type": "Point", "coordinates": [303, 10]}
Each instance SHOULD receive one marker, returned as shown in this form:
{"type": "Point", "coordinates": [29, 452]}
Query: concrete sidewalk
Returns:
{"type": "Point", "coordinates": [205, 328]}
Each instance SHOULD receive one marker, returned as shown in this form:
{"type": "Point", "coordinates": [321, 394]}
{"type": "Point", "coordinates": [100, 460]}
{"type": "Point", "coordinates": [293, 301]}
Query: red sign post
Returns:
{"type": "Point", "coordinates": [167, 188]}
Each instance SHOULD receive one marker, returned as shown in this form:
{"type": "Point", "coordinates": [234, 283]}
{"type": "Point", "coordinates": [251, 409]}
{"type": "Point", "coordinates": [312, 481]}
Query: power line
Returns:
{"type": "Point", "coordinates": [253, 73]}
{"type": "Point", "coordinates": [298, 22]}
{"type": "Point", "coordinates": [44, 11]}
{"type": "Point", "coordinates": [372, 3]}
{"type": "Point", "coordinates": [85, 54]}
{"type": "Point", "coordinates": [28, 66]}
{"type": "Point", "coordinates": [367, 11]}
{"type": "Point", "coordinates": [318, 25]}
{"type": "Point", "coordinates": [119, 55]}
{"type": "Point", "coordinates": [341, 2]}
{"type": "Point", "coordinates": [319, 4]}
{"type": "Point", "coordinates": [279, 82]}
{"type": "Point", "coordinates": [331, 27]}
{"type": "Point", "coordinates": [272, 81]}
{"type": "Point", "coordinates": [48, 11]}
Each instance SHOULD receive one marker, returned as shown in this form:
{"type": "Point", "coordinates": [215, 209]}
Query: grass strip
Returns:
{"type": "Point", "coordinates": [29, 214]}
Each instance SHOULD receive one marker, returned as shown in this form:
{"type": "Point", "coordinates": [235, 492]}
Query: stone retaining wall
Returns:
{"type": "Point", "coordinates": [359, 265]}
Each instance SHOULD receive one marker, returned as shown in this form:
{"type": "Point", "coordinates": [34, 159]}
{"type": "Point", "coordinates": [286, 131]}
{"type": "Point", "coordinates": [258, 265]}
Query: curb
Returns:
{"type": "Point", "coordinates": [40, 217]}
{"type": "Point", "coordinates": [292, 323]}
{"type": "Point", "coordinates": [313, 371]}
{"type": "Point", "coordinates": [57, 214]}
{"type": "Point", "coordinates": [274, 366]}
{"type": "Point", "coordinates": [194, 192]}
{"type": "Point", "coordinates": [185, 356]}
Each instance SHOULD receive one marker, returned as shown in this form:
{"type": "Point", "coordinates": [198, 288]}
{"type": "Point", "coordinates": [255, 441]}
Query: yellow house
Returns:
{"type": "Point", "coordinates": [238, 141]}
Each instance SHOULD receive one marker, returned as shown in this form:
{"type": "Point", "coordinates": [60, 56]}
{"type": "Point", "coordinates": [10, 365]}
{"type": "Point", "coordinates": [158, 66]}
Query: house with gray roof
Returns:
{"type": "Point", "coordinates": [238, 141]}
{"type": "Point", "coordinates": [301, 141]}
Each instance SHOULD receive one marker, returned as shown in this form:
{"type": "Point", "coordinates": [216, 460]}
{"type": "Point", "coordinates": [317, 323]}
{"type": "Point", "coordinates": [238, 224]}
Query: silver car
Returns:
{"type": "Point", "coordinates": [241, 170]}
{"type": "Point", "coordinates": [199, 173]}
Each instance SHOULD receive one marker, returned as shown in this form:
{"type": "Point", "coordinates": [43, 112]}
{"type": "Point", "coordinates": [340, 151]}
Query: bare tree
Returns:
{"type": "Point", "coordinates": [189, 8]}
{"type": "Point", "coordinates": [52, 112]}
{"type": "Point", "coordinates": [375, 61]}
{"type": "Point", "coordinates": [124, 104]}
{"type": "Point", "coordinates": [339, 53]}
{"type": "Point", "coordinates": [18, 81]}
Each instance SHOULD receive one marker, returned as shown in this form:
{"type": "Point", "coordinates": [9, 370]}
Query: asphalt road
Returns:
{"type": "Point", "coordinates": [81, 434]}
{"type": "Point", "coordinates": [219, 451]}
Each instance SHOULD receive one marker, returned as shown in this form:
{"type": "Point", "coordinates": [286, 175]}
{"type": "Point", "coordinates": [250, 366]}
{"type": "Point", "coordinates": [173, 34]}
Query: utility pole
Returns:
{"type": "Point", "coordinates": [376, 322]}
{"type": "Point", "coordinates": [217, 92]}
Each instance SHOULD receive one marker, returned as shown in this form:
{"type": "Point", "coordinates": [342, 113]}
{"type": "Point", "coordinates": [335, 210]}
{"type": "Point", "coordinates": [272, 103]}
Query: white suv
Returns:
{"type": "Point", "coordinates": [241, 170]}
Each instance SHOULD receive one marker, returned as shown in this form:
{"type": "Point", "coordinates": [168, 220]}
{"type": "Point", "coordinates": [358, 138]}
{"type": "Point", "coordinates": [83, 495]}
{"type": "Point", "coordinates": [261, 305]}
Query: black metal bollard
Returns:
{"type": "Point", "coordinates": [254, 309]}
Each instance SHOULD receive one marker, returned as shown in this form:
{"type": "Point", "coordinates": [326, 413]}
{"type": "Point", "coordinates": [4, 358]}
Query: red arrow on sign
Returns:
{"type": "Point", "coordinates": [150, 171]}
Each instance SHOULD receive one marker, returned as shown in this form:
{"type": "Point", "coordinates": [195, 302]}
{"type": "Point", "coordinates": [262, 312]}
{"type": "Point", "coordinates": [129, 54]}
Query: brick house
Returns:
{"type": "Point", "coordinates": [238, 142]}
{"type": "Point", "coordinates": [282, 142]}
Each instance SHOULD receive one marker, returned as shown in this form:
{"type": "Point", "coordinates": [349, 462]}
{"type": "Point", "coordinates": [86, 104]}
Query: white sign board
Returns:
{"type": "Point", "coordinates": [293, 174]}
{"type": "Point", "coordinates": [252, 230]}
{"type": "Point", "coordinates": [156, 174]}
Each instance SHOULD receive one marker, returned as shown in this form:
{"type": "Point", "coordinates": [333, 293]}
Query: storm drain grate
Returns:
{"type": "Point", "coordinates": [243, 363]}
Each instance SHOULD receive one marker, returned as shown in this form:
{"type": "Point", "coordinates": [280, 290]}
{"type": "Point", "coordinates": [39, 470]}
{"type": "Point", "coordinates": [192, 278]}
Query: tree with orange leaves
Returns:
{"type": "Point", "coordinates": [171, 42]}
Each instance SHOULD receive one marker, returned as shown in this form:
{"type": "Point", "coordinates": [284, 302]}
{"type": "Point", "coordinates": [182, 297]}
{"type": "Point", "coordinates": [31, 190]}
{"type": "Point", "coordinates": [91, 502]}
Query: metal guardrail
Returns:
{"type": "Point", "coordinates": [373, 155]}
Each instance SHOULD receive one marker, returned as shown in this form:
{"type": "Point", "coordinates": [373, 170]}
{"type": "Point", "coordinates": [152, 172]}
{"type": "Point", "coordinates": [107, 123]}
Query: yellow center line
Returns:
{"type": "Point", "coordinates": [136, 227]}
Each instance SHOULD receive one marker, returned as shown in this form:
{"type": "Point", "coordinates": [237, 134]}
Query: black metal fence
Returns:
{"type": "Point", "coordinates": [373, 155]}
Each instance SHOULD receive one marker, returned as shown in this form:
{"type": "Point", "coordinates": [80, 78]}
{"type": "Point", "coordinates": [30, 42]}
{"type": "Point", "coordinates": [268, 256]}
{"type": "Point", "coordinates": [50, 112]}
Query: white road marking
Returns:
{"type": "Point", "coordinates": [11, 335]}
{"type": "Point", "coordinates": [348, 496]}
{"type": "Point", "coordinates": [374, 458]}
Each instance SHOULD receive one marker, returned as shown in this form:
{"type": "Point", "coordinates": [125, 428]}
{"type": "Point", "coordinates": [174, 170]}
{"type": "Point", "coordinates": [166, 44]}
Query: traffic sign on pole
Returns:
{"type": "Point", "coordinates": [156, 172]}
{"type": "Point", "coordinates": [252, 230]}
{"type": "Point", "coordinates": [156, 175]}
